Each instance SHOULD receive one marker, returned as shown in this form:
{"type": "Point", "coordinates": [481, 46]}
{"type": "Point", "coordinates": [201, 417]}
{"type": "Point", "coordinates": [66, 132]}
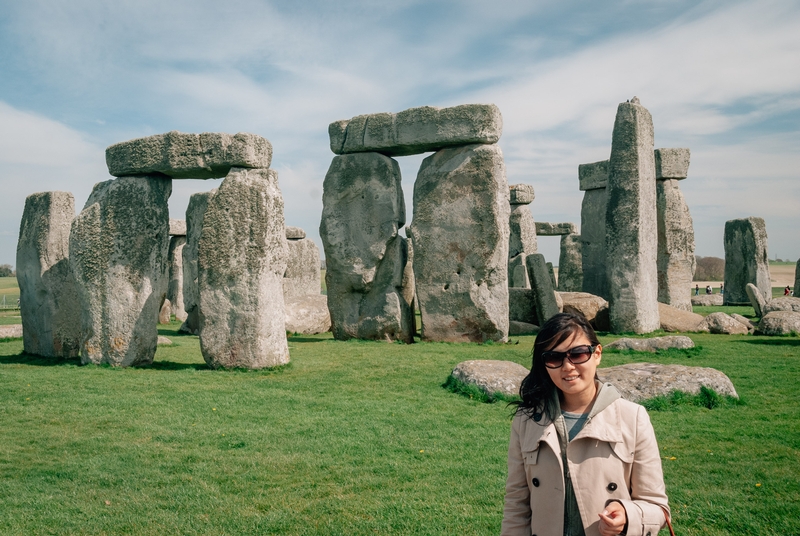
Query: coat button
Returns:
{"type": "Point", "coordinates": [535, 482]}
{"type": "Point", "coordinates": [612, 486]}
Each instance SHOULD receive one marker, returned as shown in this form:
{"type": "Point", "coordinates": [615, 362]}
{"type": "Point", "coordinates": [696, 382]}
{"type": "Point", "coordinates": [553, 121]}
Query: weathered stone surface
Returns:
{"type": "Point", "coordinates": [241, 261]}
{"type": "Point", "coordinates": [366, 258]}
{"type": "Point", "coordinates": [295, 233]}
{"type": "Point", "coordinates": [308, 314]}
{"type": "Point", "coordinates": [593, 176]}
{"type": "Point", "coordinates": [175, 286]}
{"type": "Point", "coordinates": [417, 130]}
{"type": "Point", "coordinates": [544, 228]}
{"type": "Point", "coordinates": [491, 377]}
{"type": "Point", "coordinates": [522, 328]}
{"type": "Point", "coordinates": [195, 212]}
{"type": "Point", "coordinates": [570, 269]}
{"type": "Point", "coordinates": [744, 321]}
{"type": "Point", "coordinates": [757, 300]}
{"type": "Point", "coordinates": [593, 242]}
{"type": "Point", "coordinates": [707, 299]}
{"type": "Point", "coordinates": [118, 252]}
{"type": "Point", "coordinates": [721, 323]}
{"type": "Point", "coordinates": [165, 312]}
{"type": "Point", "coordinates": [641, 381]}
{"type": "Point", "coordinates": [460, 234]}
{"type": "Point", "coordinates": [654, 344]}
{"type": "Point", "coordinates": [631, 228]}
{"type": "Point", "coordinates": [163, 341]}
{"type": "Point", "coordinates": [796, 287]}
{"type": "Point", "coordinates": [303, 274]}
{"type": "Point", "coordinates": [48, 300]}
{"type": "Point", "coordinates": [552, 272]}
{"type": "Point", "coordinates": [785, 303]}
{"type": "Point", "coordinates": [583, 303]}
{"type": "Point", "coordinates": [177, 227]}
{"type": "Point", "coordinates": [676, 262]}
{"type": "Point", "coordinates": [543, 292]}
{"type": "Point", "coordinates": [674, 319]}
{"type": "Point", "coordinates": [522, 305]}
{"type": "Point", "coordinates": [521, 194]}
{"type": "Point", "coordinates": [672, 163]}
{"type": "Point", "coordinates": [780, 323]}
{"type": "Point", "coordinates": [518, 272]}
{"type": "Point", "coordinates": [522, 231]}
{"type": "Point", "coordinates": [746, 259]}
{"type": "Point", "coordinates": [13, 331]}
{"type": "Point", "coordinates": [209, 155]}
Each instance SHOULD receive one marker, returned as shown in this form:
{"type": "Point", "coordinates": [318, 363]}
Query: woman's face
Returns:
{"type": "Point", "coordinates": [575, 380]}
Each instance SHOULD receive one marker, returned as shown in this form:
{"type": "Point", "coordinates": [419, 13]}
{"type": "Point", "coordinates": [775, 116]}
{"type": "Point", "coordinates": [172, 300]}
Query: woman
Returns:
{"type": "Point", "coordinates": [612, 482]}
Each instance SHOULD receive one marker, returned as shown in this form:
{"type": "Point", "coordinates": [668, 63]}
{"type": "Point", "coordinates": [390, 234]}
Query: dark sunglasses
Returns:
{"type": "Point", "coordinates": [576, 356]}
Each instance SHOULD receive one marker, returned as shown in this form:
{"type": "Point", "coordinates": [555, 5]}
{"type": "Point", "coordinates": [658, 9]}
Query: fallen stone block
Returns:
{"type": "Point", "coordinates": [308, 315]}
{"type": "Point", "coordinates": [209, 155]}
{"type": "Point", "coordinates": [779, 323]}
{"type": "Point", "coordinates": [674, 319]}
{"type": "Point", "coordinates": [417, 130]}
{"type": "Point", "coordinates": [723, 324]}
{"type": "Point", "coordinates": [705, 300]}
{"type": "Point", "coordinates": [653, 344]}
{"type": "Point", "coordinates": [491, 377]}
{"type": "Point", "coordinates": [522, 305]}
{"type": "Point", "coordinates": [642, 381]}
{"type": "Point", "coordinates": [582, 303]}
{"type": "Point", "coordinates": [782, 304]}
{"type": "Point", "coordinates": [522, 328]}
{"type": "Point", "coordinates": [744, 321]}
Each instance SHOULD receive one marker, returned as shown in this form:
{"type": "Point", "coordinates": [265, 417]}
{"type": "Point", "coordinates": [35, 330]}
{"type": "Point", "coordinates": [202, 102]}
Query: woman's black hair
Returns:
{"type": "Point", "coordinates": [537, 390]}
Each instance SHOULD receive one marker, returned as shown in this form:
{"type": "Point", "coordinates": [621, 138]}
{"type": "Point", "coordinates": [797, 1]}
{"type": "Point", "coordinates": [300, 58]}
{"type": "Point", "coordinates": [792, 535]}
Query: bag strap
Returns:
{"type": "Point", "coordinates": [669, 525]}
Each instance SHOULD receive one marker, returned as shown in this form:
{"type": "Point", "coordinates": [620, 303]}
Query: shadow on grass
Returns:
{"type": "Point", "coordinates": [167, 332]}
{"type": "Point", "coordinates": [172, 365]}
{"type": "Point", "coordinates": [38, 361]}
{"type": "Point", "coordinates": [776, 341]}
{"type": "Point", "coordinates": [306, 339]}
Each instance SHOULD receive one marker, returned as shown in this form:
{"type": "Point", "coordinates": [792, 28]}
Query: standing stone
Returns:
{"type": "Point", "coordinates": [551, 270]}
{"type": "Point", "coordinates": [302, 275]}
{"type": "Point", "coordinates": [118, 252]}
{"type": "Point", "coordinates": [631, 228]}
{"type": "Point", "coordinates": [195, 212]}
{"type": "Point", "coordinates": [241, 262]}
{"type": "Point", "coordinates": [175, 286]}
{"type": "Point", "coordinates": [460, 234]}
{"type": "Point", "coordinates": [593, 180]}
{"type": "Point", "coordinates": [570, 269]}
{"type": "Point", "coordinates": [544, 295]}
{"type": "Point", "coordinates": [757, 300]}
{"type": "Point", "coordinates": [48, 298]}
{"type": "Point", "coordinates": [522, 234]}
{"type": "Point", "coordinates": [676, 262]}
{"type": "Point", "coordinates": [746, 259]}
{"type": "Point", "coordinates": [362, 211]}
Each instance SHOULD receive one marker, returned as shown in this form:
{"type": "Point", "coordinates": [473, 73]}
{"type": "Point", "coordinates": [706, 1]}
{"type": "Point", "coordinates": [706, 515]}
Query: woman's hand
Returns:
{"type": "Point", "coordinates": [612, 519]}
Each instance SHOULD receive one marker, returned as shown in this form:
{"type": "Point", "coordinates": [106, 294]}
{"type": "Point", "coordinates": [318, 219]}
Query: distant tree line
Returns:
{"type": "Point", "coordinates": [709, 269]}
{"type": "Point", "coordinates": [6, 270]}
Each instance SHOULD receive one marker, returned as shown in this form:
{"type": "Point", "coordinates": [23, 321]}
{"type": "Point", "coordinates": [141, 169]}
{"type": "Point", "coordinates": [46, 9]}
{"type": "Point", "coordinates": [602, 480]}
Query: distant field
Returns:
{"type": "Point", "coordinates": [9, 291]}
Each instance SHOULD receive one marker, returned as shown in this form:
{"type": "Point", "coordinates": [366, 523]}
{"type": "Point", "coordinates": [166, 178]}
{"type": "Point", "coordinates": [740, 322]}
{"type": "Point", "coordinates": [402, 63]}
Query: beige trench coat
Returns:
{"type": "Point", "coordinates": [614, 457]}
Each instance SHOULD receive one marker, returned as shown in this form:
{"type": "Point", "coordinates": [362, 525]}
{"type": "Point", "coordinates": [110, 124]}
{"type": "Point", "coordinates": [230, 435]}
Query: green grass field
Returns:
{"type": "Point", "coordinates": [354, 438]}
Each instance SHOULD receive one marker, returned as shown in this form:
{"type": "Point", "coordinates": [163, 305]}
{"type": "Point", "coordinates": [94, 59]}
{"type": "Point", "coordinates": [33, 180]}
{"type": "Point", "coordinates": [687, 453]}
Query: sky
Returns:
{"type": "Point", "coordinates": [719, 77]}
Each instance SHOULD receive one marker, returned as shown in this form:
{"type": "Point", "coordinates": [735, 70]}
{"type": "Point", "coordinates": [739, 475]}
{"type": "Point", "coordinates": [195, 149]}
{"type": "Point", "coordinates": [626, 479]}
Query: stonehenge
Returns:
{"type": "Point", "coordinates": [241, 260]}
{"type": "Point", "coordinates": [522, 234]}
{"type": "Point", "coordinates": [623, 225]}
{"type": "Point", "coordinates": [302, 276]}
{"type": "Point", "coordinates": [746, 260]}
{"type": "Point", "coordinates": [173, 301]}
{"type": "Point", "coordinates": [195, 212]}
{"type": "Point", "coordinates": [459, 237]}
{"type": "Point", "coordinates": [570, 261]}
{"type": "Point", "coordinates": [118, 248]}
{"type": "Point", "coordinates": [631, 222]}
{"type": "Point", "coordinates": [48, 302]}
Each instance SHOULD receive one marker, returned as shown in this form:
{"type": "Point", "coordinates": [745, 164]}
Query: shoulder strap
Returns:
{"type": "Point", "coordinates": [669, 525]}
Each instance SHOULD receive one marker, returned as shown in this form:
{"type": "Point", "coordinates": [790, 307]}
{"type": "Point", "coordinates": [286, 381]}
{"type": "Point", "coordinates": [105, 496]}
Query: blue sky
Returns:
{"type": "Point", "coordinates": [719, 77]}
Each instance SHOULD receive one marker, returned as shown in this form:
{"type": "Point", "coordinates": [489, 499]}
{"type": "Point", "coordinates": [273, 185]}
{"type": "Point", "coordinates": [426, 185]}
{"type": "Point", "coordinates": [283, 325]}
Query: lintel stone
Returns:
{"type": "Point", "coordinates": [209, 155]}
{"type": "Point", "coordinates": [593, 176]}
{"type": "Point", "coordinates": [417, 130]}
{"type": "Point", "coordinates": [555, 229]}
{"type": "Point", "coordinates": [295, 233]}
{"type": "Point", "coordinates": [672, 163]}
{"type": "Point", "coordinates": [521, 194]}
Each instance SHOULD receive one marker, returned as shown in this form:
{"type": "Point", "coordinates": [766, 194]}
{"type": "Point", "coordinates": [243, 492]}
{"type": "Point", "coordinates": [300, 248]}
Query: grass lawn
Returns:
{"type": "Point", "coordinates": [354, 438]}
